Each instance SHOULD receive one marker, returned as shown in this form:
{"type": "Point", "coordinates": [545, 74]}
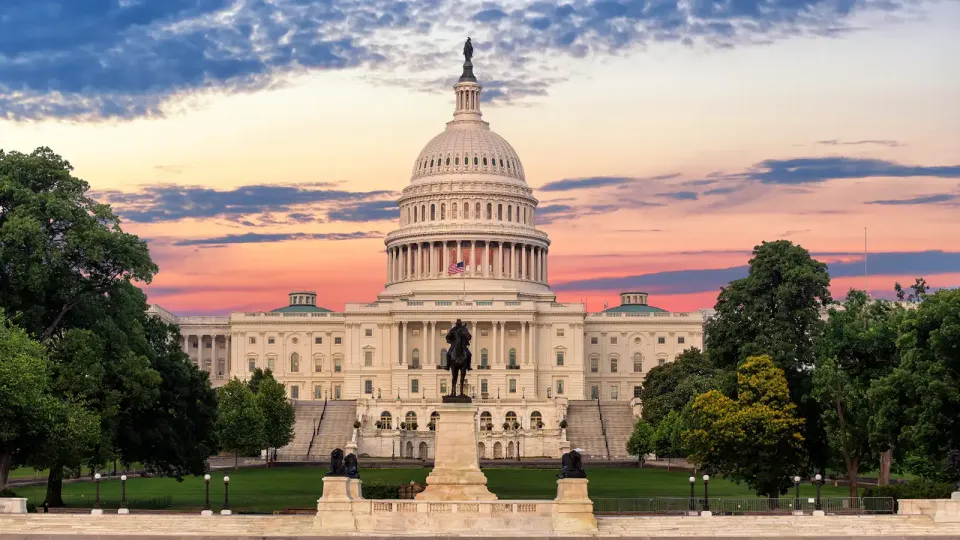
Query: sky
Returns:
{"type": "Point", "coordinates": [259, 146]}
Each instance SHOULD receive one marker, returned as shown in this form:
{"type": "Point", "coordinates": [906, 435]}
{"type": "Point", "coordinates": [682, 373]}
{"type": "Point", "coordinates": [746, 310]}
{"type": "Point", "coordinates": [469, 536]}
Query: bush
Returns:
{"type": "Point", "coordinates": [914, 489]}
{"type": "Point", "coordinates": [356, 424]}
{"type": "Point", "coordinates": [380, 490]}
{"type": "Point", "coordinates": [563, 424]}
{"type": "Point", "coordinates": [7, 493]}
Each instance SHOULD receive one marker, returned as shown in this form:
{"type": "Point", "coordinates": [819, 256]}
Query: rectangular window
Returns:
{"type": "Point", "coordinates": [195, 345]}
{"type": "Point", "coordinates": [594, 341]}
{"type": "Point", "coordinates": [414, 386]}
{"type": "Point", "coordinates": [209, 345]}
{"type": "Point", "coordinates": [483, 386]}
{"type": "Point", "coordinates": [636, 391]}
{"type": "Point", "coordinates": [295, 392]}
{"type": "Point", "coordinates": [251, 365]}
{"type": "Point", "coordinates": [560, 358]}
{"type": "Point", "coordinates": [318, 341]}
{"type": "Point", "coordinates": [337, 365]}
{"type": "Point", "coordinates": [613, 365]}
{"type": "Point", "coordinates": [368, 332]}
{"type": "Point", "coordinates": [338, 341]}
{"type": "Point", "coordinates": [594, 392]}
{"type": "Point", "coordinates": [336, 392]}
{"type": "Point", "coordinates": [270, 364]}
{"type": "Point", "coordinates": [318, 365]}
{"type": "Point", "coordinates": [613, 393]}
{"type": "Point", "coordinates": [443, 388]}
{"type": "Point", "coordinates": [484, 332]}
{"type": "Point", "coordinates": [253, 341]}
{"type": "Point", "coordinates": [661, 362]}
{"type": "Point", "coordinates": [483, 357]}
{"type": "Point", "coordinates": [680, 340]}
{"type": "Point", "coordinates": [367, 358]}
{"type": "Point", "coordinates": [367, 387]}
{"type": "Point", "coordinates": [317, 392]}
{"type": "Point", "coordinates": [415, 332]}
{"type": "Point", "coordinates": [513, 386]}
{"type": "Point", "coordinates": [512, 332]}
{"type": "Point", "coordinates": [637, 363]}
{"type": "Point", "coordinates": [661, 340]}
{"type": "Point", "coordinates": [271, 341]}
{"type": "Point", "coordinates": [613, 340]}
{"type": "Point", "coordinates": [594, 365]}
{"type": "Point", "coordinates": [560, 387]}
{"type": "Point", "coordinates": [559, 332]}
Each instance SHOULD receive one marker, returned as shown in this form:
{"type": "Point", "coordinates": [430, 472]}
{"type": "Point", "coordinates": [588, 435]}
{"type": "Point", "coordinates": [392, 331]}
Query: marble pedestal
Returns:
{"type": "Point", "coordinates": [573, 509]}
{"type": "Point", "coordinates": [335, 506]}
{"type": "Point", "coordinates": [456, 474]}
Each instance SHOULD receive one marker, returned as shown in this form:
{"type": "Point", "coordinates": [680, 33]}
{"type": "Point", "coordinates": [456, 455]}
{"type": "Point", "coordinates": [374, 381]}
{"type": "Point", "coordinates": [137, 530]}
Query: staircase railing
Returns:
{"type": "Point", "coordinates": [603, 429]}
{"type": "Point", "coordinates": [316, 427]}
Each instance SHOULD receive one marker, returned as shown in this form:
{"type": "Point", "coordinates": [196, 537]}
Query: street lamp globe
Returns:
{"type": "Point", "coordinates": [123, 478]}
{"type": "Point", "coordinates": [692, 479]}
{"type": "Point", "coordinates": [206, 477]}
{"type": "Point", "coordinates": [706, 478]}
{"type": "Point", "coordinates": [96, 476]}
{"type": "Point", "coordinates": [226, 479]}
{"type": "Point", "coordinates": [796, 479]}
{"type": "Point", "coordinates": [818, 477]}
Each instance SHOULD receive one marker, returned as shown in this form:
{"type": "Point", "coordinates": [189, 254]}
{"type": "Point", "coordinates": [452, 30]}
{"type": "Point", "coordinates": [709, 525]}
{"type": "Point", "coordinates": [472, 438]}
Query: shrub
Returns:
{"type": "Point", "coordinates": [563, 424]}
{"type": "Point", "coordinates": [914, 489]}
{"type": "Point", "coordinates": [403, 425]}
{"type": "Point", "coordinates": [356, 424]}
{"type": "Point", "coordinates": [516, 425]}
{"type": "Point", "coordinates": [506, 425]}
{"type": "Point", "coordinates": [380, 490]}
{"type": "Point", "coordinates": [489, 426]}
{"type": "Point", "coordinates": [7, 493]}
{"type": "Point", "coordinates": [379, 424]}
{"type": "Point", "coordinates": [414, 426]}
{"type": "Point", "coordinates": [539, 425]}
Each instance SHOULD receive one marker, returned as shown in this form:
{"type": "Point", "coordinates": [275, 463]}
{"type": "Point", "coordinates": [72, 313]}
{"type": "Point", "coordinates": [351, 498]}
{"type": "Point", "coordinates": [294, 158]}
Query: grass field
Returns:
{"type": "Point", "coordinates": [267, 490]}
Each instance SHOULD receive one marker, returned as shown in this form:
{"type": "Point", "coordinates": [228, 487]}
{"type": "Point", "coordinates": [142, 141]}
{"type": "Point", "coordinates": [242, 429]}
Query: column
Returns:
{"type": "Point", "coordinates": [388, 266]}
{"type": "Point", "coordinates": [486, 258]}
{"type": "Point", "coordinates": [417, 266]}
{"type": "Point", "coordinates": [535, 265]}
{"type": "Point", "coordinates": [429, 328]}
{"type": "Point", "coordinates": [523, 344]}
{"type": "Point", "coordinates": [523, 261]}
{"type": "Point", "coordinates": [395, 341]}
{"type": "Point", "coordinates": [546, 266]}
{"type": "Point", "coordinates": [403, 344]}
{"type": "Point", "coordinates": [446, 259]}
{"type": "Point", "coordinates": [534, 343]}
{"type": "Point", "coordinates": [429, 259]}
{"type": "Point", "coordinates": [473, 257]}
{"type": "Point", "coordinates": [494, 358]}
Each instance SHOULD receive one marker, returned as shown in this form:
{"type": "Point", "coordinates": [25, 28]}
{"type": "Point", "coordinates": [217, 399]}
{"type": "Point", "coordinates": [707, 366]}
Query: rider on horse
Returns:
{"type": "Point", "coordinates": [459, 355]}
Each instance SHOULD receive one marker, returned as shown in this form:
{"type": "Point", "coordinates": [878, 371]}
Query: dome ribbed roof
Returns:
{"type": "Point", "coordinates": [468, 148]}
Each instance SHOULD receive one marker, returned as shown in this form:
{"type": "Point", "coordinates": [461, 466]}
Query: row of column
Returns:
{"type": "Point", "coordinates": [495, 343]}
{"type": "Point", "coordinates": [210, 364]}
{"type": "Point", "coordinates": [504, 260]}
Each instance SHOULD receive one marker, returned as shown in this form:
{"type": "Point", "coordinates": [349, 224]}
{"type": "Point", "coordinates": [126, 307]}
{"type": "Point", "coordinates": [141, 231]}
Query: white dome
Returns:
{"type": "Point", "coordinates": [465, 148]}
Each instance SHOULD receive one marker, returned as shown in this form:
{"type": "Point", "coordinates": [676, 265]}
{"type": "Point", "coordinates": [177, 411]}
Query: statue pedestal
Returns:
{"type": "Point", "coordinates": [335, 506]}
{"type": "Point", "coordinates": [456, 474]}
{"type": "Point", "coordinates": [573, 509]}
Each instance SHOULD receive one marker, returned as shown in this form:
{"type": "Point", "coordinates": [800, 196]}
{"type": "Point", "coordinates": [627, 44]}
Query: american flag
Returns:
{"type": "Point", "coordinates": [455, 268]}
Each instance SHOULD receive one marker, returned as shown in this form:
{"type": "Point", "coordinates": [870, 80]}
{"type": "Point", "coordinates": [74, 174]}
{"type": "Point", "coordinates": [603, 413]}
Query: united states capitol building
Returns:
{"type": "Point", "coordinates": [536, 361]}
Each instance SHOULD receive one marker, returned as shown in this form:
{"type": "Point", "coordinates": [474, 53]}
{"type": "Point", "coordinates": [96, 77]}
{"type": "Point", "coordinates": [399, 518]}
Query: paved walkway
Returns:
{"type": "Point", "coordinates": [133, 526]}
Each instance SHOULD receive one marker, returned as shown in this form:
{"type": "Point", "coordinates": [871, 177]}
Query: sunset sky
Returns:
{"type": "Point", "coordinates": [260, 145]}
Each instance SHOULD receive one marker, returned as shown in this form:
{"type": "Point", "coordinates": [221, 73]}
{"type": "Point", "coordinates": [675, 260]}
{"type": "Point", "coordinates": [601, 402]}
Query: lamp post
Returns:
{"type": "Point", "coordinates": [693, 506]}
{"type": "Point", "coordinates": [796, 501]}
{"type": "Point", "coordinates": [206, 503]}
{"type": "Point", "coordinates": [706, 497]}
{"type": "Point", "coordinates": [819, 482]}
{"type": "Point", "coordinates": [123, 496]}
{"type": "Point", "coordinates": [226, 497]}
{"type": "Point", "coordinates": [97, 511]}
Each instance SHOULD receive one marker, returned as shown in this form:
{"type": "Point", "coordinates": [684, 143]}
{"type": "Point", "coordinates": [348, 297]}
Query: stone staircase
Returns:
{"type": "Point", "coordinates": [307, 416]}
{"type": "Point", "coordinates": [583, 429]}
{"type": "Point", "coordinates": [336, 429]}
{"type": "Point", "coordinates": [618, 420]}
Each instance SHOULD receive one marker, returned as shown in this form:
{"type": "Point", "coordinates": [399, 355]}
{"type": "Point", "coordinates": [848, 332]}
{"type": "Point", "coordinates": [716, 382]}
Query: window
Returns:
{"type": "Point", "coordinates": [499, 212]}
{"type": "Point", "coordinates": [294, 341]}
{"type": "Point", "coordinates": [483, 357]}
{"type": "Point", "coordinates": [560, 358]}
{"type": "Point", "coordinates": [560, 387]}
{"type": "Point", "coordinates": [594, 392]}
{"type": "Point", "coordinates": [253, 341]}
{"type": "Point", "coordinates": [208, 345]}
{"type": "Point", "coordinates": [559, 332]}
{"type": "Point", "coordinates": [295, 392]}
{"type": "Point", "coordinates": [270, 341]}
{"type": "Point", "coordinates": [595, 365]}
{"type": "Point", "coordinates": [453, 211]}
{"type": "Point", "coordinates": [613, 393]}
{"type": "Point", "coordinates": [336, 392]}
{"type": "Point", "coordinates": [318, 392]}
{"type": "Point", "coordinates": [368, 332]}
{"type": "Point", "coordinates": [338, 341]}
{"type": "Point", "coordinates": [636, 391]}
{"type": "Point", "coordinates": [410, 419]}
{"type": "Point", "coordinates": [513, 386]}
{"type": "Point", "coordinates": [318, 341]}
{"type": "Point", "coordinates": [485, 419]}
{"type": "Point", "coordinates": [386, 420]}
{"type": "Point", "coordinates": [509, 212]}
{"type": "Point", "coordinates": [637, 362]}
{"type": "Point", "coordinates": [484, 332]}
{"type": "Point", "coordinates": [510, 417]}
{"type": "Point", "coordinates": [367, 387]}
{"type": "Point", "coordinates": [318, 364]}
{"type": "Point", "coordinates": [271, 361]}
{"type": "Point", "coordinates": [661, 362]}
{"type": "Point", "coordinates": [443, 387]}
{"type": "Point", "coordinates": [613, 340]}
{"type": "Point", "coordinates": [294, 362]}
{"type": "Point", "coordinates": [337, 365]}
{"type": "Point", "coordinates": [483, 386]}
{"type": "Point", "coordinates": [443, 211]}
{"type": "Point", "coordinates": [367, 358]}
{"type": "Point", "coordinates": [613, 365]}
{"type": "Point", "coordinates": [661, 340]}
{"type": "Point", "coordinates": [484, 162]}
{"type": "Point", "coordinates": [593, 341]}
{"type": "Point", "coordinates": [415, 358]}
{"type": "Point", "coordinates": [415, 332]}
{"type": "Point", "coordinates": [251, 365]}
{"type": "Point", "coordinates": [681, 340]}
{"type": "Point", "coordinates": [477, 213]}
{"type": "Point", "coordinates": [536, 420]}
{"type": "Point", "coordinates": [414, 386]}
{"type": "Point", "coordinates": [513, 357]}
{"type": "Point", "coordinates": [489, 211]}
{"type": "Point", "coordinates": [466, 210]}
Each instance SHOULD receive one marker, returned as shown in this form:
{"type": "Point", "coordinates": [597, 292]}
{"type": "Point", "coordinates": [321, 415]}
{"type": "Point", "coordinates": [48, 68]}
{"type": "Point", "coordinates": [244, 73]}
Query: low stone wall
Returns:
{"type": "Point", "coordinates": [13, 505]}
{"type": "Point", "coordinates": [941, 510]}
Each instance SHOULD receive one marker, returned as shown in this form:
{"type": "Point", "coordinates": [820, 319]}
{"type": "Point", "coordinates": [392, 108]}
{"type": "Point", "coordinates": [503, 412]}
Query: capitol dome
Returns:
{"type": "Point", "coordinates": [468, 149]}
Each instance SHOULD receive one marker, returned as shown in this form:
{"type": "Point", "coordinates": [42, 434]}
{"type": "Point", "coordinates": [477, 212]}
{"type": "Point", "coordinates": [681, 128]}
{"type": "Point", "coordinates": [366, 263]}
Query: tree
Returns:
{"type": "Point", "coordinates": [256, 377]}
{"type": "Point", "coordinates": [918, 401]}
{"type": "Point", "coordinates": [668, 438]}
{"type": "Point", "coordinates": [755, 439]}
{"type": "Point", "coordinates": [858, 346]}
{"type": "Point", "coordinates": [775, 311]}
{"type": "Point", "coordinates": [278, 413]}
{"type": "Point", "coordinates": [240, 421]}
{"type": "Point", "coordinates": [917, 294]}
{"type": "Point", "coordinates": [26, 407]}
{"type": "Point", "coordinates": [672, 386]}
{"type": "Point", "coordinates": [641, 440]}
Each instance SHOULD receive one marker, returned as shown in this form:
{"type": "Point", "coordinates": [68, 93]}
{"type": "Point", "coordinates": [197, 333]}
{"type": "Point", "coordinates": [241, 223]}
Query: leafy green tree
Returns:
{"type": "Point", "coordinates": [918, 402]}
{"type": "Point", "coordinates": [641, 440]}
{"type": "Point", "coordinates": [257, 377]}
{"type": "Point", "coordinates": [672, 386]}
{"type": "Point", "coordinates": [74, 436]}
{"type": "Point", "coordinates": [776, 311]}
{"type": "Point", "coordinates": [27, 408]}
{"type": "Point", "coordinates": [278, 414]}
{"type": "Point", "coordinates": [755, 439]}
{"type": "Point", "coordinates": [918, 291]}
{"type": "Point", "coordinates": [240, 422]}
{"type": "Point", "coordinates": [857, 346]}
{"type": "Point", "coordinates": [668, 438]}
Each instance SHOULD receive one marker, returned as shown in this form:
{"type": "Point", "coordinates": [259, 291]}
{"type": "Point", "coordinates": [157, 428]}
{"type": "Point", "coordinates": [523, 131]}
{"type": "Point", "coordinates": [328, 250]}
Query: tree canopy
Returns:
{"type": "Point", "coordinates": [240, 421]}
{"type": "Point", "coordinates": [672, 386]}
{"type": "Point", "coordinates": [641, 440]}
{"type": "Point", "coordinates": [278, 414]}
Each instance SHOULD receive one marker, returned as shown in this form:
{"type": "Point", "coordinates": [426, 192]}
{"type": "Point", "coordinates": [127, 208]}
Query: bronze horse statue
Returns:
{"type": "Point", "coordinates": [458, 356]}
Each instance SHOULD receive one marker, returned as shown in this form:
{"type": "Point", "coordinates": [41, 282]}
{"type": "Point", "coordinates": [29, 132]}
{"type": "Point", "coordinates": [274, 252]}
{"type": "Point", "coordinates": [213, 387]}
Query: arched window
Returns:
{"type": "Point", "coordinates": [337, 364]}
{"type": "Point", "coordinates": [484, 162]}
{"type": "Point", "coordinates": [489, 211]}
{"type": "Point", "coordinates": [613, 364]}
{"type": "Point", "coordinates": [443, 211]}
{"type": "Point", "coordinates": [294, 362]}
{"type": "Point", "coordinates": [410, 419]}
{"type": "Point", "coordinates": [536, 420]}
{"type": "Point", "coordinates": [318, 363]}
{"type": "Point", "coordinates": [509, 212]}
{"type": "Point", "coordinates": [483, 357]}
{"type": "Point", "coordinates": [415, 216]}
{"type": "Point", "coordinates": [637, 362]}
{"type": "Point", "coordinates": [477, 213]}
{"type": "Point", "coordinates": [443, 357]}
{"type": "Point", "coordinates": [517, 215]}
{"type": "Point", "coordinates": [423, 212]}
{"type": "Point", "coordinates": [501, 163]}
{"type": "Point", "coordinates": [485, 420]}
{"type": "Point", "coordinates": [475, 161]}
{"type": "Point", "coordinates": [386, 420]}
{"type": "Point", "coordinates": [415, 358]}
{"type": "Point", "coordinates": [510, 418]}
{"type": "Point", "coordinates": [466, 210]}
{"type": "Point", "coordinates": [456, 160]}
{"type": "Point", "coordinates": [434, 417]}
{"type": "Point", "coordinates": [513, 357]}
{"type": "Point", "coordinates": [499, 212]}
{"type": "Point", "coordinates": [448, 162]}
{"type": "Point", "coordinates": [453, 211]}
{"type": "Point", "coordinates": [524, 214]}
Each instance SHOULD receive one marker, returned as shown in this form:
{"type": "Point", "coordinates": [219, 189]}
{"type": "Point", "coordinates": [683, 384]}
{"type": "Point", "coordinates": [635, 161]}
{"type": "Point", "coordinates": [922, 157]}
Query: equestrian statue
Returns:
{"type": "Point", "coordinates": [458, 359]}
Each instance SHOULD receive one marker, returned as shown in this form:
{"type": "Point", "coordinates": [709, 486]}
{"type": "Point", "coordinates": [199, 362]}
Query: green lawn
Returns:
{"type": "Point", "coordinates": [266, 490]}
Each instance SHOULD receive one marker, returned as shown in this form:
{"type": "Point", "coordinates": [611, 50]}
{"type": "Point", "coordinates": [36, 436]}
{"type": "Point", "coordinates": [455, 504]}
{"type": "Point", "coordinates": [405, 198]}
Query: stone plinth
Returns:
{"type": "Point", "coordinates": [573, 509]}
{"type": "Point", "coordinates": [335, 506]}
{"type": "Point", "coordinates": [941, 510]}
{"type": "Point", "coordinates": [13, 505]}
{"type": "Point", "coordinates": [456, 474]}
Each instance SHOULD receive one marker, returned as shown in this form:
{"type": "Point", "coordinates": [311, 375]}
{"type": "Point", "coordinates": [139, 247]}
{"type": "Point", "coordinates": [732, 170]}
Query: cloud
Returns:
{"type": "Point", "coordinates": [170, 202]}
{"type": "Point", "coordinates": [880, 142]}
{"type": "Point", "coordinates": [598, 182]}
{"type": "Point", "coordinates": [814, 170]}
{"type": "Point", "coordinates": [925, 199]}
{"type": "Point", "coordinates": [922, 263]}
{"type": "Point", "coordinates": [95, 60]}
{"type": "Point", "coordinates": [257, 238]}
{"type": "Point", "coordinates": [366, 211]}
{"type": "Point", "coordinates": [720, 191]}
{"type": "Point", "coordinates": [680, 195]}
